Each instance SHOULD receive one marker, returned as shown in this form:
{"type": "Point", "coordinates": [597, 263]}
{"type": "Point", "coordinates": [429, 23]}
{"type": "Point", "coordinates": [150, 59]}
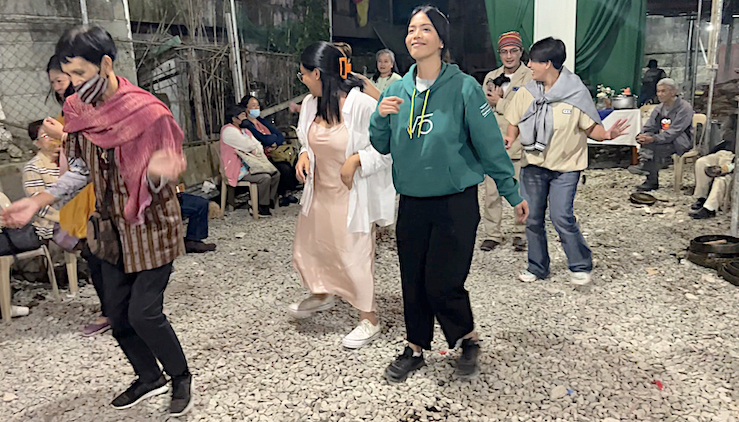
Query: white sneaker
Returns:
{"type": "Point", "coordinates": [362, 335]}
{"type": "Point", "coordinates": [17, 311]}
{"type": "Point", "coordinates": [527, 277]}
{"type": "Point", "coordinates": [310, 305]}
{"type": "Point", "coordinates": [580, 278]}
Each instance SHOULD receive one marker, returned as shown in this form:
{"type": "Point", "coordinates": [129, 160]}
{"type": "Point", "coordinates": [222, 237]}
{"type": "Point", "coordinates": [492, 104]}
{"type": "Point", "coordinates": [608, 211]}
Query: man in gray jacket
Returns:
{"type": "Point", "coordinates": [668, 131]}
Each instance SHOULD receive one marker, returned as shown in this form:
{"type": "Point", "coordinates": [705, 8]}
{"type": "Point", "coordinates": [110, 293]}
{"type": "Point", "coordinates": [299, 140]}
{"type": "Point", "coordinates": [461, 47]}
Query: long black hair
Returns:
{"type": "Point", "coordinates": [441, 24]}
{"type": "Point", "coordinates": [325, 57]}
{"type": "Point", "coordinates": [55, 64]}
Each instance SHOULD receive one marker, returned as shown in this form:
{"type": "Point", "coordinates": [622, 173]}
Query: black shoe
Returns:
{"type": "Point", "coordinates": [197, 246]}
{"type": "Point", "coordinates": [489, 245]}
{"type": "Point", "coordinates": [284, 202]}
{"type": "Point", "coordinates": [702, 214]}
{"type": "Point", "coordinates": [403, 365]}
{"type": "Point", "coordinates": [467, 363]}
{"type": "Point", "coordinates": [647, 186]}
{"type": "Point", "coordinates": [698, 204]}
{"type": "Point", "coordinates": [264, 211]}
{"type": "Point", "coordinates": [638, 170]}
{"type": "Point", "coordinates": [139, 391]}
{"type": "Point", "coordinates": [182, 401]}
{"type": "Point", "coordinates": [292, 199]}
{"type": "Point", "coordinates": [519, 244]}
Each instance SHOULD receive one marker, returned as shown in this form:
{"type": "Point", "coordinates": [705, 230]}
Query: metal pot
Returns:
{"type": "Point", "coordinates": [621, 102]}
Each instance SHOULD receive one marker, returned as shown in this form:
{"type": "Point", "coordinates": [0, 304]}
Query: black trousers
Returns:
{"type": "Point", "coordinates": [436, 238]}
{"type": "Point", "coordinates": [96, 274]}
{"type": "Point", "coordinates": [288, 180]}
{"type": "Point", "coordinates": [654, 156]}
{"type": "Point", "coordinates": [133, 305]}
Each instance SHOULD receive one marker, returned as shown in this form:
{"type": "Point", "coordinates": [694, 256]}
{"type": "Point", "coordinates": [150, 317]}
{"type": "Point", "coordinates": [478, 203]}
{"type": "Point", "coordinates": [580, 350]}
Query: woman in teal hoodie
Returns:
{"type": "Point", "coordinates": [443, 137]}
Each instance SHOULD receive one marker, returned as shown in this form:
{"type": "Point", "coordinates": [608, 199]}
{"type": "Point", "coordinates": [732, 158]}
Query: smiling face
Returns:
{"type": "Point", "coordinates": [422, 39]}
{"type": "Point", "coordinates": [384, 65]}
{"type": "Point", "coordinates": [511, 57]}
{"type": "Point", "coordinates": [59, 82]}
{"type": "Point", "coordinates": [539, 70]}
{"type": "Point", "coordinates": [312, 79]}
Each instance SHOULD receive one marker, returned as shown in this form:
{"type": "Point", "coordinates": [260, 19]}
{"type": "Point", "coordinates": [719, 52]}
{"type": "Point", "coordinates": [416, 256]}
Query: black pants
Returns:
{"type": "Point", "coordinates": [436, 238]}
{"type": "Point", "coordinates": [96, 274]}
{"type": "Point", "coordinates": [134, 306]}
{"type": "Point", "coordinates": [654, 156]}
{"type": "Point", "coordinates": [288, 180]}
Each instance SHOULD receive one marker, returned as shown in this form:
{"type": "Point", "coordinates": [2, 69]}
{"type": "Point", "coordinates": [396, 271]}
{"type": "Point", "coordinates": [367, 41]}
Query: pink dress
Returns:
{"type": "Point", "coordinates": [327, 257]}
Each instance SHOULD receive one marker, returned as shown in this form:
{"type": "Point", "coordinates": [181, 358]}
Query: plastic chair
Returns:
{"type": "Point", "coordinates": [7, 261]}
{"type": "Point", "coordinates": [689, 157]}
{"type": "Point", "coordinates": [228, 190]}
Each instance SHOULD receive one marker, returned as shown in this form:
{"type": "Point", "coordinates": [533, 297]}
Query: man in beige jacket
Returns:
{"type": "Point", "coordinates": [499, 93]}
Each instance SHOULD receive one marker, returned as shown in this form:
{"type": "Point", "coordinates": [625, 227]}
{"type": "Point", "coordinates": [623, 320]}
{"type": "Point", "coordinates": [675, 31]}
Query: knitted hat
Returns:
{"type": "Point", "coordinates": [510, 39]}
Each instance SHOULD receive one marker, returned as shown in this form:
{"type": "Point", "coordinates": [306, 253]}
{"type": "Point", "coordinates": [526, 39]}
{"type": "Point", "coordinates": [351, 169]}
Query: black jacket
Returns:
{"type": "Point", "coordinates": [275, 136]}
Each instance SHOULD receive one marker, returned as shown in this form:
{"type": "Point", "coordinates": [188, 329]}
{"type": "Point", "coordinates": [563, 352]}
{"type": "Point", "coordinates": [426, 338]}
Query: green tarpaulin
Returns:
{"type": "Point", "coordinates": [609, 39]}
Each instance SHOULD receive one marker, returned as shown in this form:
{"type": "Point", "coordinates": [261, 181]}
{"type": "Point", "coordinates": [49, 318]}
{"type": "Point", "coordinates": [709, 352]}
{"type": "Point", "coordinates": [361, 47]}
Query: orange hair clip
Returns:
{"type": "Point", "coordinates": [345, 68]}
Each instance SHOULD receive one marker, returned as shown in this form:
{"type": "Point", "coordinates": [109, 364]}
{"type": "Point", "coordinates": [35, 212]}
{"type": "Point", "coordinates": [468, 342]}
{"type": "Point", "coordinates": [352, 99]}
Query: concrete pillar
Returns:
{"type": "Point", "coordinates": [557, 19]}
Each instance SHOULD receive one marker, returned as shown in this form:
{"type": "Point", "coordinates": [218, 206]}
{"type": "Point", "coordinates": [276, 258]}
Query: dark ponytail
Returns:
{"type": "Point", "coordinates": [326, 58]}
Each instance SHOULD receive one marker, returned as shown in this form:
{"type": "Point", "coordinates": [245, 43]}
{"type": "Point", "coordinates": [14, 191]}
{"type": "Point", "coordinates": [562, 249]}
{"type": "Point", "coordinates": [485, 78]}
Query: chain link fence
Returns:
{"type": "Point", "coordinates": [25, 48]}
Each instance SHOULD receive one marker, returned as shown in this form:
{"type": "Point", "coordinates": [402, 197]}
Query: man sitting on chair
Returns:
{"type": "Point", "coordinates": [668, 131]}
{"type": "Point", "coordinates": [713, 174]}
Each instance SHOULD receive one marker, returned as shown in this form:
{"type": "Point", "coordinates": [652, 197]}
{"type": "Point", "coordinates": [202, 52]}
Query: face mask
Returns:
{"type": "Point", "coordinates": [91, 91]}
{"type": "Point", "coordinates": [254, 113]}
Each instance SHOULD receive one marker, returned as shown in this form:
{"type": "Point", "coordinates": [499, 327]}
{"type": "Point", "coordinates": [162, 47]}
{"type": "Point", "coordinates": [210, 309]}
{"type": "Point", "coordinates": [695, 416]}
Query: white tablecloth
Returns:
{"type": "Point", "coordinates": [633, 118]}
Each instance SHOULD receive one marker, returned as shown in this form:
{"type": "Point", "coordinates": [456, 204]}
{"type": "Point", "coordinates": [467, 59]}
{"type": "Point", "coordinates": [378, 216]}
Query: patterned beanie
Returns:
{"type": "Point", "coordinates": [510, 39]}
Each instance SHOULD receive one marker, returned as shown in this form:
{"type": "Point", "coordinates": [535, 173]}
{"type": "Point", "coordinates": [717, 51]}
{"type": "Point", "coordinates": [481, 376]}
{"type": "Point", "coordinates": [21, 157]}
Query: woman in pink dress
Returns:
{"type": "Point", "coordinates": [348, 189]}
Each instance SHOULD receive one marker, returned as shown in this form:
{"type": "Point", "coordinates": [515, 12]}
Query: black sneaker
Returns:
{"type": "Point", "coordinates": [264, 211]}
{"type": "Point", "coordinates": [139, 391]}
{"type": "Point", "coordinates": [647, 187]}
{"type": "Point", "coordinates": [702, 214]}
{"type": "Point", "coordinates": [698, 204]}
{"type": "Point", "coordinates": [182, 401]}
{"type": "Point", "coordinates": [467, 363]}
{"type": "Point", "coordinates": [403, 365]}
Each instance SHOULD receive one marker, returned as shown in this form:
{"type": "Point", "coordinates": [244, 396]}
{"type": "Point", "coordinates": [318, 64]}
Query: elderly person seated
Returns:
{"type": "Point", "coordinates": [40, 173]}
{"type": "Point", "coordinates": [271, 138]}
{"type": "Point", "coordinates": [713, 174]}
{"type": "Point", "coordinates": [668, 131]}
{"type": "Point", "coordinates": [243, 158]}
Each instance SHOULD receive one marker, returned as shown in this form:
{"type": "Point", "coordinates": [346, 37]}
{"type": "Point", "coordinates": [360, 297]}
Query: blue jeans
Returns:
{"type": "Point", "coordinates": [195, 209]}
{"type": "Point", "coordinates": [537, 186]}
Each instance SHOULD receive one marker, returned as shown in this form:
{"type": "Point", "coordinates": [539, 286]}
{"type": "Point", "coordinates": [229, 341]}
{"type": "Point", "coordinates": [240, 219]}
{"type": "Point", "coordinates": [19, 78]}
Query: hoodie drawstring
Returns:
{"type": "Point", "coordinates": [413, 109]}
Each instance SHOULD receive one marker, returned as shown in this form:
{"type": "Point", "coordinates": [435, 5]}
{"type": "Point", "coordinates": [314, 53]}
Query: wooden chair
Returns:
{"type": "Point", "coordinates": [690, 156]}
{"type": "Point", "coordinates": [7, 261]}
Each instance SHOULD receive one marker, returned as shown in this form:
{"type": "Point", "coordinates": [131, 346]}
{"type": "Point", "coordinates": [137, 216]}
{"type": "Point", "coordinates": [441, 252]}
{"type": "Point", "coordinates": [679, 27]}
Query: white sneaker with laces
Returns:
{"type": "Point", "coordinates": [362, 335]}
{"type": "Point", "coordinates": [18, 311]}
{"type": "Point", "coordinates": [527, 277]}
{"type": "Point", "coordinates": [310, 305]}
{"type": "Point", "coordinates": [580, 278]}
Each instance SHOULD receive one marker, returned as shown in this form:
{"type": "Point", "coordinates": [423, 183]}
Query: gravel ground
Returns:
{"type": "Point", "coordinates": [549, 353]}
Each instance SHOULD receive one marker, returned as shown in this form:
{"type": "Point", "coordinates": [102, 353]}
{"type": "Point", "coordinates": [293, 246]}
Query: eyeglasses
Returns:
{"type": "Point", "coordinates": [510, 52]}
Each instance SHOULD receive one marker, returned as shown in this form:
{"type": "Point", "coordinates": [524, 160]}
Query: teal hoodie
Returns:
{"type": "Point", "coordinates": [455, 138]}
